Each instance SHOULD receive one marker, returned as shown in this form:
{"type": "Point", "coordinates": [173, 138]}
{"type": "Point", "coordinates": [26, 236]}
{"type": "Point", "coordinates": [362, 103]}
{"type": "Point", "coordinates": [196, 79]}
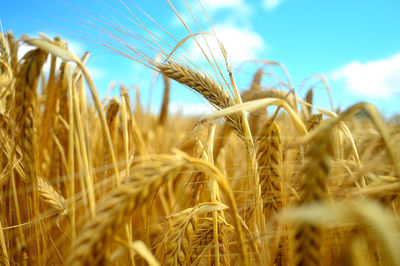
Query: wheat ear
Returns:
{"type": "Point", "coordinates": [316, 172]}
{"type": "Point", "coordinates": [25, 97]}
{"type": "Point", "coordinates": [203, 242]}
{"type": "Point", "coordinates": [269, 156]}
{"type": "Point", "coordinates": [178, 241]}
{"type": "Point", "coordinates": [205, 86]}
{"type": "Point", "coordinates": [51, 196]}
{"type": "Point", "coordinates": [111, 114]}
{"type": "Point", "coordinates": [256, 117]}
{"type": "Point", "coordinates": [165, 102]}
{"type": "Point", "coordinates": [13, 52]}
{"type": "Point", "coordinates": [309, 99]}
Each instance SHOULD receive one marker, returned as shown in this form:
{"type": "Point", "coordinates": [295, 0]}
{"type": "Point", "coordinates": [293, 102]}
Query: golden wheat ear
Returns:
{"type": "Point", "coordinates": [315, 172]}
{"type": "Point", "coordinates": [25, 100]}
{"type": "Point", "coordinates": [206, 87]}
{"type": "Point", "coordinates": [309, 99]}
{"type": "Point", "coordinates": [269, 157]}
{"type": "Point", "coordinates": [257, 117]}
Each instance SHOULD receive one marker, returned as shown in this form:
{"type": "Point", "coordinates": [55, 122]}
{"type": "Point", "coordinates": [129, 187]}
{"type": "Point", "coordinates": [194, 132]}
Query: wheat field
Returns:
{"type": "Point", "coordinates": [86, 181]}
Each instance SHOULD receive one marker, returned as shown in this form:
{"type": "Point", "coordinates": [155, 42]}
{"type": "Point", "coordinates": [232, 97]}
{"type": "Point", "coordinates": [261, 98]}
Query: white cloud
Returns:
{"type": "Point", "coordinates": [240, 44]}
{"type": "Point", "coordinates": [271, 4]}
{"type": "Point", "coordinates": [76, 48]}
{"type": "Point", "coordinates": [379, 78]}
{"type": "Point", "coordinates": [96, 72]}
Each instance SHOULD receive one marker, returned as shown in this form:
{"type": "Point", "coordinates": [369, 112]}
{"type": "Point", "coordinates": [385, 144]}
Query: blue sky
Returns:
{"type": "Point", "coordinates": [355, 44]}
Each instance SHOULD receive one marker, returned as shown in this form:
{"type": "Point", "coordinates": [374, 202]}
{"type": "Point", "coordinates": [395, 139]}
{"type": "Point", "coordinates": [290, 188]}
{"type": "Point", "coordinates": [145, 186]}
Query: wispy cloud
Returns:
{"type": "Point", "coordinates": [220, 11]}
{"type": "Point", "coordinates": [215, 5]}
{"type": "Point", "coordinates": [379, 78]}
{"type": "Point", "coordinates": [271, 4]}
{"type": "Point", "coordinates": [240, 44]}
